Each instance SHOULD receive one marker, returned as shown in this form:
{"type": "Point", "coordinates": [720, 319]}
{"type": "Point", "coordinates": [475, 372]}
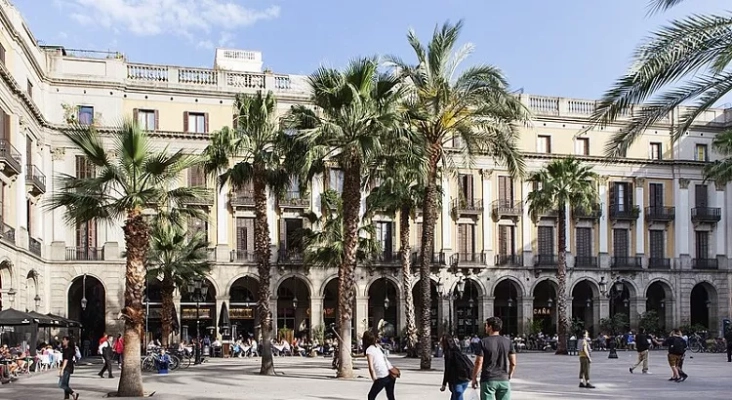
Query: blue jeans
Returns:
{"type": "Point", "coordinates": [458, 390]}
{"type": "Point", "coordinates": [63, 383]}
{"type": "Point", "coordinates": [382, 383]}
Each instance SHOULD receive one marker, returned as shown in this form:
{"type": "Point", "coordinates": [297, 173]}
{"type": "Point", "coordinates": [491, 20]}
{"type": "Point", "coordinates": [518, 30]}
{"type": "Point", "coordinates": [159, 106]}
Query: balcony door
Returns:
{"type": "Point", "coordinates": [384, 235]}
{"type": "Point", "coordinates": [702, 244]}
{"type": "Point", "coordinates": [244, 237]}
{"type": "Point", "coordinates": [621, 243]}
{"type": "Point", "coordinates": [701, 196]}
{"type": "Point", "coordinates": [584, 242]}
{"type": "Point", "coordinates": [546, 240]}
{"type": "Point", "coordinates": [466, 188]}
{"type": "Point", "coordinates": [621, 196]}
{"type": "Point", "coordinates": [655, 196]}
{"type": "Point", "coordinates": [466, 240]}
{"type": "Point", "coordinates": [506, 240]}
{"type": "Point", "coordinates": [656, 239]}
{"type": "Point", "coordinates": [505, 191]}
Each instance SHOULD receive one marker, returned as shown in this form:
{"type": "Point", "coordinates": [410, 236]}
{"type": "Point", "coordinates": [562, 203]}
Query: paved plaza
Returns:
{"type": "Point", "coordinates": [539, 376]}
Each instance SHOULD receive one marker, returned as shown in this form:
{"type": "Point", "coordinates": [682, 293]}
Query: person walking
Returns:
{"type": "Point", "coordinates": [585, 359]}
{"type": "Point", "coordinates": [67, 368]}
{"type": "Point", "coordinates": [119, 348]}
{"type": "Point", "coordinates": [383, 374]}
{"type": "Point", "coordinates": [642, 345]}
{"type": "Point", "coordinates": [676, 349]}
{"type": "Point", "coordinates": [728, 338]}
{"type": "Point", "coordinates": [495, 363]}
{"type": "Point", "coordinates": [458, 368]}
{"type": "Point", "coordinates": [106, 351]}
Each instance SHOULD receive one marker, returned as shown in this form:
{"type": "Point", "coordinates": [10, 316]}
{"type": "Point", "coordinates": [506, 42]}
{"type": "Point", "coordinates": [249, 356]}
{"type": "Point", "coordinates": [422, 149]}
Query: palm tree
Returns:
{"type": "Point", "coordinates": [257, 148]}
{"type": "Point", "coordinates": [720, 171]}
{"type": "Point", "coordinates": [694, 50]}
{"type": "Point", "coordinates": [357, 108]}
{"type": "Point", "coordinates": [474, 106]}
{"type": "Point", "coordinates": [129, 178]}
{"type": "Point", "coordinates": [176, 256]}
{"type": "Point", "coordinates": [564, 182]}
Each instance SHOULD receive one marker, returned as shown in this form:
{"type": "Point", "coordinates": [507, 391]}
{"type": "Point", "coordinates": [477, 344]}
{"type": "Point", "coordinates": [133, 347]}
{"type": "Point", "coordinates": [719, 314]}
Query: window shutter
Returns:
{"type": "Point", "coordinates": [6, 127]}
{"type": "Point", "coordinates": [392, 237]}
{"type": "Point", "coordinates": [186, 128]}
{"type": "Point", "coordinates": [470, 188]}
{"type": "Point", "coordinates": [283, 235]}
{"type": "Point", "coordinates": [539, 144]}
{"type": "Point", "coordinates": [2, 202]}
{"type": "Point", "coordinates": [470, 238]}
{"type": "Point", "coordinates": [157, 120]}
{"type": "Point", "coordinates": [629, 196]}
{"type": "Point", "coordinates": [700, 195]}
{"type": "Point", "coordinates": [92, 227]}
{"type": "Point", "coordinates": [205, 122]}
{"type": "Point", "coordinates": [503, 240]}
{"type": "Point", "coordinates": [80, 237]}
{"type": "Point", "coordinates": [235, 121]}
{"type": "Point", "coordinates": [652, 194]}
{"type": "Point", "coordinates": [548, 144]}
{"type": "Point", "coordinates": [612, 197]}
{"type": "Point", "coordinates": [136, 115]}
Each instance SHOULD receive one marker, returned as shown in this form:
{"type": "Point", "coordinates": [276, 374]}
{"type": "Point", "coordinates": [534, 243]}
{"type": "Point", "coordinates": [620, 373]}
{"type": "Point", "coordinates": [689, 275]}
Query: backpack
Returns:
{"type": "Point", "coordinates": [678, 346]}
{"type": "Point", "coordinates": [463, 364]}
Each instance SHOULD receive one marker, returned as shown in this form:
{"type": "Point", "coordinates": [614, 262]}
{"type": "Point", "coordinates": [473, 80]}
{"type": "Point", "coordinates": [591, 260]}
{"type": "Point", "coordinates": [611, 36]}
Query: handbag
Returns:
{"type": "Point", "coordinates": [393, 371]}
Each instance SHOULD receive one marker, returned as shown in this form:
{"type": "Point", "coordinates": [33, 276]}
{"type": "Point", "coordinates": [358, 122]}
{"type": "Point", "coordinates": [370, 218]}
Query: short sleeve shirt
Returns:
{"type": "Point", "coordinates": [495, 351]}
{"type": "Point", "coordinates": [68, 356]}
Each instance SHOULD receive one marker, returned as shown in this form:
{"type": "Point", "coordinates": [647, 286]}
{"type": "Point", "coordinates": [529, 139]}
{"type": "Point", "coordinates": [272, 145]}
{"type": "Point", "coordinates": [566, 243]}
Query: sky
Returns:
{"type": "Point", "coordinates": [569, 48]}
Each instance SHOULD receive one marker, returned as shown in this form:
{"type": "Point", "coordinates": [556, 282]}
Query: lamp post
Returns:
{"type": "Point", "coordinates": [451, 295]}
{"type": "Point", "coordinates": [614, 292]}
{"type": "Point", "coordinates": [198, 289]}
{"type": "Point", "coordinates": [37, 301]}
{"type": "Point", "coordinates": [84, 301]}
{"type": "Point", "coordinates": [11, 295]}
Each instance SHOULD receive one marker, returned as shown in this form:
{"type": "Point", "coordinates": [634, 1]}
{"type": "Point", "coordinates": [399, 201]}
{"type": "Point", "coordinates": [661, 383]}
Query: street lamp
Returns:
{"type": "Point", "coordinates": [550, 302]}
{"type": "Point", "coordinates": [198, 289]}
{"type": "Point", "coordinates": [84, 302]}
{"type": "Point", "coordinates": [11, 294]}
{"type": "Point", "coordinates": [387, 302]}
{"type": "Point", "coordinates": [663, 303]}
{"type": "Point", "coordinates": [619, 288]}
{"type": "Point", "coordinates": [450, 295]}
{"type": "Point", "coordinates": [37, 299]}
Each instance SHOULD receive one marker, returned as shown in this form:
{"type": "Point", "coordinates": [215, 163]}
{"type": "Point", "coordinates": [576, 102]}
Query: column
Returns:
{"type": "Point", "coordinates": [220, 300]}
{"type": "Point", "coordinates": [486, 308]}
{"type": "Point", "coordinates": [525, 311]}
{"type": "Point", "coordinates": [272, 218]}
{"type": "Point", "coordinates": [602, 309]}
{"type": "Point", "coordinates": [527, 226]}
{"type": "Point", "coordinates": [639, 304]}
{"type": "Point", "coordinates": [59, 166]}
{"type": "Point", "coordinates": [316, 189]}
{"type": "Point", "coordinates": [223, 224]}
{"type": "Point", "coordinates": [640, 226]}
{"type": "Point", "coordinates": [316, 311]}
{"type": "Point", "coordinates": [21, 201]}
{"type": "Point", "coordinates": [486, 219]}
{"type": "Point", "coordinates": [681, 194]}
{"type": "Point", "coordinates": [443, 316]}
{"type": "Point", "coordinates": [568, 234]}
{"type": "Point", "coordinates": [445, 220]}
{"type": "Point", "coordinates": [604, 202]}
{"type": "Point", "coordinates": [361, 315]}
{"type": "Point", "coordinates": [273, 311]}
{"type": "Point", "coordinates": [720, 229]}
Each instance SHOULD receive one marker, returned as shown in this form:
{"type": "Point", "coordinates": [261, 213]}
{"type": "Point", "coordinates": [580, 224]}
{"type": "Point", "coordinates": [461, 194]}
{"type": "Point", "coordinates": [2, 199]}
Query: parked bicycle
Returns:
{"type": "Point", "coordinates": [150, 361]}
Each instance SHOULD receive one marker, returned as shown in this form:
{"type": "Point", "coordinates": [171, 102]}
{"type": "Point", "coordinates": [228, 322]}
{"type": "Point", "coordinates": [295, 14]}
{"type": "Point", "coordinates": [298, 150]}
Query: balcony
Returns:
{"type": "Point", "coordinates": [507, 209]}
{"type": "Point", "coordinates": [660, 214]}
{"type": "Point", "coordinates": [243, 198]}
{"type": "Point", "coordinates": [35, 180]}
{"type": "Point", "coordinates": [586, 262]}
{"type": "Point", "coordinates": [706, 215]}
{"type": "Point", "coordinates": [467, 206]}
{"type": "Point", "coordinates": [437, 258]}
{"type": "Point", "coordinates": [84, 253]}
{"type": "Point", "coordinates": [593, 213]}
{"type": "Point", "coordinates": [294, 200]}
{"type": "Point", "coordinates": [659, 263]}
{"type": "Point", "coordinates": [293, 256]}
{"type": "Point", "coordinates": [205, 199]}
{"type": "Point", "coordinates": [627, 263]}
{"type": "Point", "coordinates": [10, 158]}
{"type": "Point", "coordinates": [211, 253]}
{"type": "Point", "coordinates": [388, 258]}
{"type": "Point", "coordinates": [34, 246]}
{"type": "Point", "coordinates": [549, 214]}
{"type": "Point", "coordinates": [705, 263]}
{"type": "Point", "coordinates": [467, 259]}
{"type": "Point", "coordinates": [624, 213]}
{"type": "Point", "coordinates": [546, 260]}
{"type": "Point", "coordinates": [242, 256]}
{"type": "Point", "coordinates": [8, 233]}
{"type": "Point", "coordinates": [511, 260]}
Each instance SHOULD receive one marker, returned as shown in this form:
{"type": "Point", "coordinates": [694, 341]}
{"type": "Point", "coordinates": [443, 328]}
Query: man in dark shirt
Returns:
{"type": "Point", "coordinates": [676, 349]}
{"type": "Point", "coordinates": [642, 345]}
{"type": "Point", "coordinates": [67, 368]}
{"type": "Point", "coordinates": [495, 362]}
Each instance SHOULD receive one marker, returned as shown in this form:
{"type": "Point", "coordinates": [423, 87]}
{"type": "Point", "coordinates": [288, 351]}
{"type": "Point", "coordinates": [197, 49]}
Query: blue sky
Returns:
{"type": "Point", "coordinates": [572, 48]}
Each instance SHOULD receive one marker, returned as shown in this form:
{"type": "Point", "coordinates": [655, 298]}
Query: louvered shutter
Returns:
{"type": "Point", "coordinates": [186, 128]}
{"type": "Point", "coordinates": [656, 243]}
{"type": "Point", "coordinates": [136, 116]}
{"type": "Point", "coordinates": [157, 120]}
{"type": "Point", "coordinates": [462, 239]}
{"type": "Point", "coordinates": [470, 238]}
{"type": "Point", "coordinates": [6, 127]}
{"type": "Point", "coordinates": [584, 242]}
{"type": "Point", "coordinates": [503, 231]}
{"type": "Point", "coordinates": [503, 191]}
{"type": "Point", "coordinates": [613, 196]}
{"type": "Point", "coordinates": [283, 235]}
{"type": "Point", "coordinates": [620, 243]}
{"type": "Point", "coordinates": [546, 240]}
{"type": "Point", "coordinates": [629, 196]}
{"type": "Point", "coordinates": [701, 196]}
{"type": "Point", "coordinates": [205, 122]}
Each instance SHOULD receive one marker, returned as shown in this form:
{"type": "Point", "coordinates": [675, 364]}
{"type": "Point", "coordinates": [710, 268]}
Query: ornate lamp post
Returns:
{"type": "Point", "coordinates": [616, 291]}
{"type": "Point", "coordinates": [198, 289]}
{"type": "Point", "coordinates": [37, 301]}
{"type": "Point", "coordinates": [11, 295]}
{"type": "Point", "coordinates": [451, 295]}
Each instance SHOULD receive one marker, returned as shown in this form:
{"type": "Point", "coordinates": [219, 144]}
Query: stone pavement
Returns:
{"type": "Point", "coordinates": [539, 376]}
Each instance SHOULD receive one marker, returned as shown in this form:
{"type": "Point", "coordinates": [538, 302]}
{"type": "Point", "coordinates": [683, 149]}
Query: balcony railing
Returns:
{"type": "Point", "coordinates": [624, 213]}
{"type": "Point", "coordinates": [84, 253]}
{"type": "Point", "coordinates": [503, 260]}
{"type": "Point", "coordinates": [627, 263]}
{"type": "Point", "coordinates": [294, 256]}
{"type": "Point", "coordinates": [8, 233]}
{"type": "Point", "coordinates": [242, 198]}
{"type": "Point", "coordinates": [437, 258]}
{"type": "Point", "coordinates": [546, 260]}
{"type": "Point", "coordinates": [10, 156]}
{"type": "Point", "coordinates": [705, 263]}
{"type": "Point", "coordinates": [709, 215]}
{"type": "Point", "coordinates": [463, 259]}
{"type": "Point", "coordinates": [659, 263]}
{"type": "Point", "coordinates": [507, 208]}
{"type": "Point", "coordinates": [467, 206]}
{"type": "Point", "coordinates": [34, 246]}
{"type": "Point", "coordinates": [204, 199]}
{"type": "Point", "coordinates": [586, 262]}
{"type": "Point", "coordinates": [36, 179]}
{"type": "Point", "coordinates": [242, 256]}
{"type": "Point", "coordinates": [211, 253]}
{"type": "Point", "coordinates": [593, 213]}
{"type": "Point", "coordinates": [388, 257]}
{"type": "Point", "coordinates": [294, 200]}
{"type": "Point", "coordinates": [660, 214]}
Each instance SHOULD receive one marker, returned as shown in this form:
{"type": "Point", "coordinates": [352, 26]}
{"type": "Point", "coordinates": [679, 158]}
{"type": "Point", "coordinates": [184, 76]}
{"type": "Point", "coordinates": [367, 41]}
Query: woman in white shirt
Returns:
{"type": "Point", "coordinates": [379, 367]}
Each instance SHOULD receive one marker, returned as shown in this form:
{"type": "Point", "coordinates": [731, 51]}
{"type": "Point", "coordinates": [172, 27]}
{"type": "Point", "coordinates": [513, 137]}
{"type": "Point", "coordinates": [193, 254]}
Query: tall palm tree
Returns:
{"type": "Point", "coordinates": [176, 256]}
{"type": "Point", "coordinates": [474, 105]}
{"type": "Point", "coordinates": [257, 149]}
{"type": "Point", "coordinates": [129, 177]}
{"type": "Point", "coordinates": [357, 109]}
{"type": "Point", "coordinates": [564, 182]}
{"type": "Point", "coordinates": [685, 61]}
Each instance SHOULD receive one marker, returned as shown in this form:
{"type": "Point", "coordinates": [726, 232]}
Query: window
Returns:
{"type": "Point", "coordinates": [335, 180]}
{"type": "Point", "coordinates": [2, 54]}
{"type": "Point", "coordinates": [656, 151]}
{"type": "Point", "coordinates": [195, 122]}
{"type": "Point", "coordinates": [86, 115]}
{"type": "Point", "coordinates": [196, 177]}
{"type": "Point", "coordinates": [5, 126]}
{"type": "Point", "coordinates": [701, 194]}
{"type": "Point", "coordinates": [146, 119]}
{"type": "Point", "coordinates": [384, 237]}
{"type": "Point", "coordinates": [293, 191]}
{"type": "Point", "coordinates": [506, 240]}
{"type": "Point", "coordinates": [244, 235]}
{"type": "Point", "coordinates": [621, 197]}
{"type": "Point", "coordinates": [198, 225]}
{"type": "Point", "coordinates": [505, 191]}
{"type": "Point", "coordinates": [544, 144]}
{"type": "Point", "coordinates": [29, 218]}
{"type": "Point", "coordinates": [582, 147]}
{"type": "Point", "coordinates": [466, 187]}
{"type": "Point", "coordinates": [702, 244]}
{"type": "Point", "coordinates": [86, 233]}
{"type": "Point", "coordinates": [29, 89]}
{"type": "Point", "coordinates": [466, 240]}
{"type": "Point", "coordinates": [584, 242]}
{"type": "Point", "coordinates": [656, 239]}
{"type": "Point", "coordinates": [2, 202]}
{"type": "Point", "coordinates": [621, 245]}
{"type": "Point", "coordinates": [701, 153]}
{"type": "Point", "coordinates": [655, 195]}
{"type": "Point", "coordinates": [291, 235]}
{"type": "Point", "coordinates": [546, 240]}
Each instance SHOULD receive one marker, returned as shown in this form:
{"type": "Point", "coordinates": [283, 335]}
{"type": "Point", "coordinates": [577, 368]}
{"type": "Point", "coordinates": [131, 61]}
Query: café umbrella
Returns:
{"type": "Point", "coordinates": [224, 322]}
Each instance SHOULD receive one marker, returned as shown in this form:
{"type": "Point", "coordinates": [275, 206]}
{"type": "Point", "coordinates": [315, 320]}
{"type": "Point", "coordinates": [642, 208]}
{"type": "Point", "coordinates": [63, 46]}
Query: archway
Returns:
{"type": "Point", "coordinates": [544, 313]}
{"type": "Point", "coordinates": [87, 304]}
{"type": "Point", "coordinates": [383, 305]}
{"type": "Point", "coordinates": [434, 301]}
{"type": "Point", "coordinates": [467, 321]}
{"type": "Point", "coordinates": [621, 302]}
{"type": "Point", "coordinates": [658, 297]}
{"type": "Point", "coordinates": [703, 301]}
{"type": "Point", "coordinates": [293, 308]}
{"type": "Point", "coordinates": [243, 307]}
{"type": "Point", "coordinates": [584, 295]}
{"type": "Point", "coordinates": [6, 283]}
{"type": "Point", "coordinates": [198, 321]}
{"type": "Point", "coordinates": [330, 308]}
{"type": "Point", "coordinates": [506, 305]}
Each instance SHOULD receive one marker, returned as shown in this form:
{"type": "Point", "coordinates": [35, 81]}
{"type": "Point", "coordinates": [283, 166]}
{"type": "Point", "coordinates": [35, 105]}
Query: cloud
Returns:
{"type": "Point", "coordinates": [196, 20]}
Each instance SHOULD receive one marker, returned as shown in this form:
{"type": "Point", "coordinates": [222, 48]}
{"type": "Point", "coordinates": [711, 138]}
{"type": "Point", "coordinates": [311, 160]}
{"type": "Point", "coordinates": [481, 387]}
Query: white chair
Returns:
{"type": "Point", "coordinates": [44, 362]}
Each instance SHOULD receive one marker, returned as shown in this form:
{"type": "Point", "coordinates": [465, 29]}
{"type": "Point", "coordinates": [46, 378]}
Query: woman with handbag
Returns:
{"type": "Point", "coordinates": [382, 372]}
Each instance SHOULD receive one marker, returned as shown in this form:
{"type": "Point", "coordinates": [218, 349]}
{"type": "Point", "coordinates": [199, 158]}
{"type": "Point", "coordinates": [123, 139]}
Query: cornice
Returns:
{"type": "Point", "coordinates": [622, 161]}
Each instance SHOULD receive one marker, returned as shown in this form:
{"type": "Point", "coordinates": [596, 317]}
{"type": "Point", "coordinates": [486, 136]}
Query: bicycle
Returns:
{"type": "Point", "coordinates": [696, 344]}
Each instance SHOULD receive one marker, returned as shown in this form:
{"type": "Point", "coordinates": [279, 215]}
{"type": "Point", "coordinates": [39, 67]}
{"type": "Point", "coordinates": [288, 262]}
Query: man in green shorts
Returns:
{"type": "Point", "coordinates": [495, 362]}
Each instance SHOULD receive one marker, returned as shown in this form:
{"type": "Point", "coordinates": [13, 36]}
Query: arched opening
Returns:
{"type": "Point", "coordinates": [383, 305]}
{"type": "Point", "coordinates": [153, 302]}
{"type": "Point", "coordinates": [198, 319]}
{"type": "Point", "coordinates": [703, 305]}
{"type": "Point", "coordinates": [506, 305]}
{"type": "Point", "coordinates": [621, 303]}
{"type": "Point", "coordinates": [466, 310]}
{"type": "Point", "coordinates": [434, 300]}
{"type": "Point", "coordinates": [658, 295]}
{"type": "Point", "coordinates": [87, 304]}
{"type": "Point", "coordinates": [545, 305]}
{"type": "Point", "coordinates": [5, 285]}
{"type": "Point", "coordinates": [293, 308]}
{"type": "Point", "coordinates": [583, 305]}
{"type": "Point", "coordinates": [330, 308]}
{"type": "Point", "coordinates": [243, 307]}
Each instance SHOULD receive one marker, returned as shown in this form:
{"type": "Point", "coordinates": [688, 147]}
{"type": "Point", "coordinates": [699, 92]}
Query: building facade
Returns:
{"type": "Point", "coordinates": [658, 227]}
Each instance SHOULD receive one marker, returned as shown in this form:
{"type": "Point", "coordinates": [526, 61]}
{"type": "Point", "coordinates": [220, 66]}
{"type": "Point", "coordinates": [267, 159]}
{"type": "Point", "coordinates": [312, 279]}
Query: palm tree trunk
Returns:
{"type": "Point", "coordinates": [351, 197]}
{"type": "Point", "coordinates": [166, 314]}
{"type": "Point", "coordinates": [411, 328]}
{"type": "Point", "coordinates": [263, 253]}
{"type": "Point", "coordinates": [137, 240]}
{"type": "Point", "coordinates": [562, 320]}
{"type": "Point", "coordinates": [429, 208]}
